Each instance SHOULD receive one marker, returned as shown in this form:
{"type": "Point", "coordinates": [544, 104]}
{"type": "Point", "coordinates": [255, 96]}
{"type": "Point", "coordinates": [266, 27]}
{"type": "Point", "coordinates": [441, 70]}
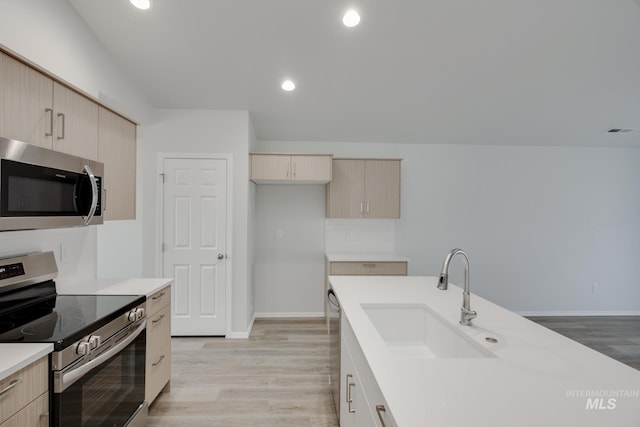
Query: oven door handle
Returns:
{"type": "Point", "coordinates": [72, 376]}
{"type": "Point", "coordinates": [94, 195]}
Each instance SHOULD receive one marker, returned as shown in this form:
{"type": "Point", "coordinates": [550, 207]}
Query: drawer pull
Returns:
{"type": "Point", "coordinates": [10, 386]}
{"type": "Point", "coordinates": [368, 265]}
{"type": "Point", "coordinates": [349, 399]}
{"type": "Point", "coordinates": [158, 362]}
{"type": "Point", "coordinates": [380, 409]}
{"type": "Point", "coordinates": [158, 319]}
{"type": "Point", "coordinates": [158, 296]}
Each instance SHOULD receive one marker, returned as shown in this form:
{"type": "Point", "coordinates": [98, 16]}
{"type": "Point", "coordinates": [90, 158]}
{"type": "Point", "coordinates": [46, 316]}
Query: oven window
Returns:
{"type": "Point", "coordinates": [108, 395]}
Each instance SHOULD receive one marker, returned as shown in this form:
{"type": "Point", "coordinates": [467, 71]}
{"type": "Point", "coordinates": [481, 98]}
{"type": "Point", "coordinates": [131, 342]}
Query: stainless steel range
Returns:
{"type": "Point", "coordinates": [97, 368]}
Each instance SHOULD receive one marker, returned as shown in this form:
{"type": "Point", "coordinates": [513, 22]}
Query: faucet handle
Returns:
{"type": "Point", "coordinates": [466, 316]}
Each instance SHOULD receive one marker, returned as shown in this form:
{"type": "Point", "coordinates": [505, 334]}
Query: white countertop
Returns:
{"type": "Point", "coordinates": [365, 257]}
{"type": "Point", "coordinates": [145, 287]}
{"type": "Point", "coordinates": [14, 357]}
{"type": "Point", "coordinates": [538, 377]}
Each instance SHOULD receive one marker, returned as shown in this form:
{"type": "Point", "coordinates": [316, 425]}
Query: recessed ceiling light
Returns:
{"type": "Point", "coordinates": [141, 4]}
{"type": "Point", "coordinates": [351, 18]}
{"type": "Point", "coordinates": [288, 85]}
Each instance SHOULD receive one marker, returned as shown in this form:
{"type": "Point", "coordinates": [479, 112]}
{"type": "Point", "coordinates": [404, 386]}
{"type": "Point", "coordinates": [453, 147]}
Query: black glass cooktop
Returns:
{"type": "Point", "coordinates": [64, 319]}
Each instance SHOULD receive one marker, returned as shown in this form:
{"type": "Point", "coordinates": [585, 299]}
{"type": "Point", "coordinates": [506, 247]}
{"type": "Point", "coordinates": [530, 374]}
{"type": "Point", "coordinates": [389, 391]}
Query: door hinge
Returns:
{"type": "Point", "coordinates": [162, 176]}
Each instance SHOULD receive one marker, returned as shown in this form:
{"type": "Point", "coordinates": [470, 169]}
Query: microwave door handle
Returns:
{"type": "Point", "coordinates": [74, 375]}
{"type": "Point", "coordinates": [94, 194]}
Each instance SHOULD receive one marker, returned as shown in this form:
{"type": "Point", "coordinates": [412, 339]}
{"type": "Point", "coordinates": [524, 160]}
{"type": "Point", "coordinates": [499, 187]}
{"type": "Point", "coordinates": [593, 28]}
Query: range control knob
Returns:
{"type": "Point", "coordinates": [139, 313]}
{"type": "Point", "coordinates": [132, 316]}
{"type": "Point", "coordinates": [94, 341]}
{"type": "Point", "coordinates": [83, 348]}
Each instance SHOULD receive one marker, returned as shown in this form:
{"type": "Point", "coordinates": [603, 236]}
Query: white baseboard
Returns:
{"type": "Point", "coordinates": [290, 314]}
{"type": "Point", "coordinates": [579, 313]}
{"type": "Point", "coordinates": [242, 335]}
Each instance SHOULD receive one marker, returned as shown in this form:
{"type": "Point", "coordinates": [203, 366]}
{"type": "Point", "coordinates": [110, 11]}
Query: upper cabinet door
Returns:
{"type": "Point", "coordinates": [382, 188]}
{"type": "Point", "coordinates": [345, 192]}
{"type": "Point", "coordinates": [275, 167]}
{"type": "Point", "coordinates": [75, 123]}
{"type": "Point", "coordinates": [26, 106]}
{"type": "Point", "coordinates": [117, 150]}
{"type": "Point", "coordinates": [311, 168]}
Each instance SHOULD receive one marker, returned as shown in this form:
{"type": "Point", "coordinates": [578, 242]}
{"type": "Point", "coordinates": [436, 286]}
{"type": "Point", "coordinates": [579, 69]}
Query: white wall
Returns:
{"type": "Point", "coordinates": [202, 131]}
{"type": "Point", "coordinates": [289, 250]}
{"type": "Point", "coordinates": [541, 225]}
{"type": "Point", "coordinates": [52, 35]}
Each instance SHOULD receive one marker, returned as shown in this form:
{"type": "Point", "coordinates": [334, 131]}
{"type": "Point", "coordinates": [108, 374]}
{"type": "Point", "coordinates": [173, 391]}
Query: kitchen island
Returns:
{"type": "Point", "coordinates": [530, 376]}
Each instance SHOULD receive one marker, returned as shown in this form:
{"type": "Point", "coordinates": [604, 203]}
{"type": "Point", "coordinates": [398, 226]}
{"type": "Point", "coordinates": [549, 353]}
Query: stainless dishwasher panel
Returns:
{"type": "Point", "coordinates": [334, 347]}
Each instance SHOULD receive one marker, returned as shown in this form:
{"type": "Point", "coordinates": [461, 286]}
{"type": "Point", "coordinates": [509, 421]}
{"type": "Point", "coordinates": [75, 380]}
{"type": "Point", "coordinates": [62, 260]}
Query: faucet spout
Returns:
{"type": "Point", "coordinates": [466, 314]}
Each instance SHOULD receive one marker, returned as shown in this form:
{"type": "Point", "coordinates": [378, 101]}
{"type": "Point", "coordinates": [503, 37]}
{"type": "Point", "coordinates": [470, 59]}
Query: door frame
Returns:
{"type": "Point", "coordinates": [228, 158]}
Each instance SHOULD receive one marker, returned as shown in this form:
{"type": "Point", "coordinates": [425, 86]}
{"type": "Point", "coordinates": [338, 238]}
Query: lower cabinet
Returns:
{"type": "Point", "coordinates": [24, 396]}
{"type": "Point", "coordinates": [158, 367]}
{"type": "Point", "coordinates": [362, 403]}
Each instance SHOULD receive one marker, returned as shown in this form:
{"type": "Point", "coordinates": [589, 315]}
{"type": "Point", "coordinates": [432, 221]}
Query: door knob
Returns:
{"type": "Point", "coordinates": [220, 256]}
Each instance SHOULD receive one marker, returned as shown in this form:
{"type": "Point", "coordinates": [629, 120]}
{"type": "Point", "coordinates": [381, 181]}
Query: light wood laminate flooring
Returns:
{"type": "Point", "coordinates": [616, 336]}
{"type": "Point", "coordinates": [277, 377]}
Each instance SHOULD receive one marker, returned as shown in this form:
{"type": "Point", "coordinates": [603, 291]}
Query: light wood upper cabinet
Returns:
{"type": "Point", "coordinates": [117, 150]}
{"type": "Point", "coordinates": [290, 168]}
{"type": "Point", "coordinates": [75, 123]}
{"type": "Point", "coordinates": [38, 110]}
{"type": "Point", "coordinates": [26, 103]}
{"type": "Point", "coordinates": [364, 188]}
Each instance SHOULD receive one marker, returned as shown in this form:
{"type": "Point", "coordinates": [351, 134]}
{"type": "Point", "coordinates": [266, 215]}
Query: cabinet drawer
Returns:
{"type": "Point", "coordinates": [368, 268]}
{"type": "Point", "coordinates": [158, 300]}
{"type": "Point", "coordinates": [35, 414]}
{"type": "Point", "coordinates": [158, 372]}
{"type": "Point", "coordinates": [23, 387]}
{"type": "Point", "coordinates": [158, 330]}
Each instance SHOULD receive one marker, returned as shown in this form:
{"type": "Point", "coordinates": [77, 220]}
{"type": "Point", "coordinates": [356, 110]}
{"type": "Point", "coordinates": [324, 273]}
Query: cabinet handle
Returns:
{"type": "Point", "coordinates": [368, 265]}
{"type": "Point", "coordinates": [348, 393]}
{"type": "Point", "coordinates": [294, 169]}
{"type": "Point", "coordinates": [158, 362]}
{"type": "Point", "coordinates": [368, 208]}
{"type": "Point", "coordinates": [380, 409]}
{"type": "Point", "coordinates": [158, 319]}
{"type": "Point", "coordinates": [50, 111]}
{"type": "Point", "coordinates": [61, 136]}
{"type": "Point", "coordinates": [361, 208]}
{"type": "Point", "coordinates": [44, 419]}
{"type": "Point", "coordinates": [159, 296]}
{"type": "Point", "coordinates": [11, 385]}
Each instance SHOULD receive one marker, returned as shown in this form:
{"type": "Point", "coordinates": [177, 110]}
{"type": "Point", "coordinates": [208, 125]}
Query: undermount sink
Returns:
{"type": "Point", "coordinates": [415, 331]}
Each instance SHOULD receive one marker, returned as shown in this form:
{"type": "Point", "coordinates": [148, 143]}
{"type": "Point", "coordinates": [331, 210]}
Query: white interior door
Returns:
{"type": "Point", "coordinates": [194, 249]}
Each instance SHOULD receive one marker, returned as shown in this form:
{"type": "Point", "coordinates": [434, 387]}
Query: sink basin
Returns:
{"type": "Point", "coordinates": [415, 331]}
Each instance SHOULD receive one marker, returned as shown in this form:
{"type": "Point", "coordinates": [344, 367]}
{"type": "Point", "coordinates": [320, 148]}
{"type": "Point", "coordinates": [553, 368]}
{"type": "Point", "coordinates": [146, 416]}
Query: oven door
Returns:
{"type": "Point", "coordinates": [108, 390]}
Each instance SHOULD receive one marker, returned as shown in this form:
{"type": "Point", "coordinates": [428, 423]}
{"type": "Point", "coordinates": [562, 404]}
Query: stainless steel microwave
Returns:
{"type": "Point", "coordinates": [41, 188]}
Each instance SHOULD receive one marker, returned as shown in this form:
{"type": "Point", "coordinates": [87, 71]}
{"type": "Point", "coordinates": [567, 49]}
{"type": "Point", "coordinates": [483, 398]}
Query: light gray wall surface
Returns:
{"type": "Point", "coordinates": [541, 225]}
{"type": "Point", "coordinates": [290, 248]}
{"type": "Point", "coordinates": [212, 132]}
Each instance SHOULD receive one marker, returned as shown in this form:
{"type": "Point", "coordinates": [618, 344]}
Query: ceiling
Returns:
{"type": "Point", "coordinates": [522, 72]}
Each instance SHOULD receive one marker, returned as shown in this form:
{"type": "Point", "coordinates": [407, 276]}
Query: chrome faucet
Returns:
{"type": "Point", "coordinates": [466, 314]}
